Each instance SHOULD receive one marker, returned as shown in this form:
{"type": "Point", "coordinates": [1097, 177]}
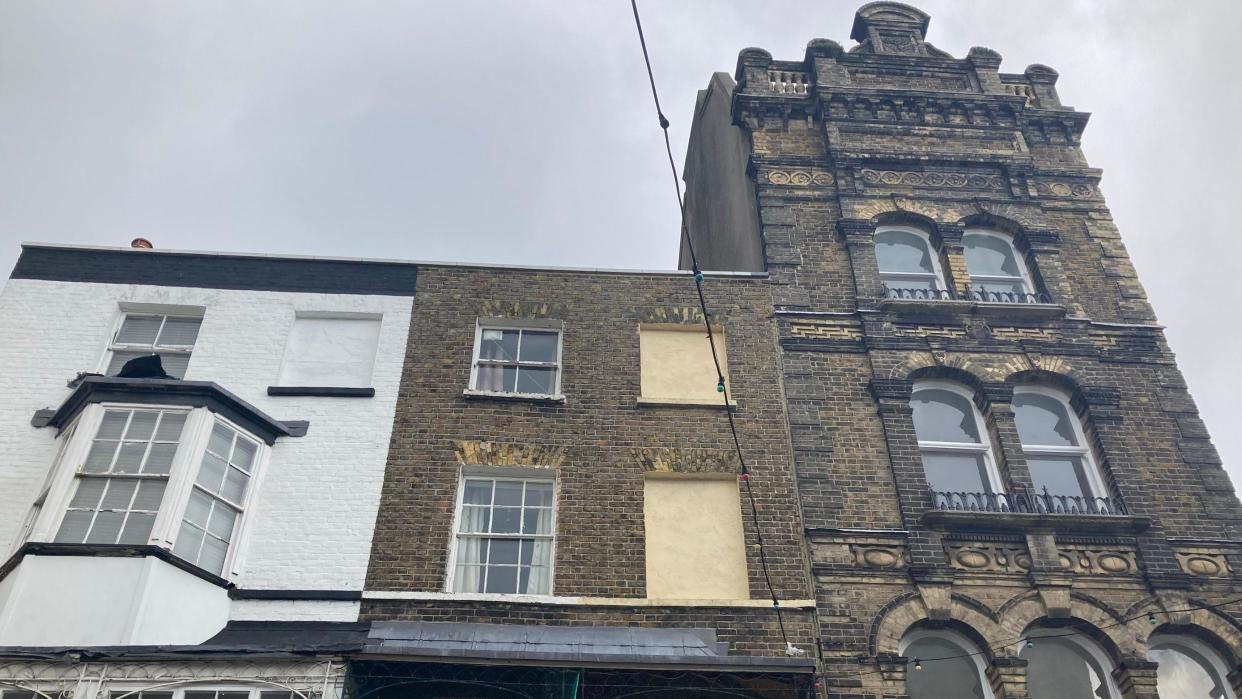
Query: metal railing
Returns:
{"type": "Point", "coordinates": [1026, 502]}
{"type": "Point", "coordinates": [980, 295]}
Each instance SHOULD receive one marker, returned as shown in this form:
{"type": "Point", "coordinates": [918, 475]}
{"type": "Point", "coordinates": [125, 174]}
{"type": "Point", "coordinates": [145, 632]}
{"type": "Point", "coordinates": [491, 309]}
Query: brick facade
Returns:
{"type": "Point", "coordinates": [895, 131]}
{"type": "Point", "coordinates": [599, 443]}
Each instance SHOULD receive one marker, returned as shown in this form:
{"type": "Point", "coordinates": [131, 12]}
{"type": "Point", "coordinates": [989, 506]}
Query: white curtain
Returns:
{"type": "Point", "coordinates": [541, 557]}
{"type": "Point", "coordinates": [491, 378]}
{"type": "Point", "coordinates": [470, 550]}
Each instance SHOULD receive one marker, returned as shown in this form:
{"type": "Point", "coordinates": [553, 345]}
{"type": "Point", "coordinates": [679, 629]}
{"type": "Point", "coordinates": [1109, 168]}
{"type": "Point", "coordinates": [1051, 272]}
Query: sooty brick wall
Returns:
{"type": "Point", "coordinates": [599, 442]}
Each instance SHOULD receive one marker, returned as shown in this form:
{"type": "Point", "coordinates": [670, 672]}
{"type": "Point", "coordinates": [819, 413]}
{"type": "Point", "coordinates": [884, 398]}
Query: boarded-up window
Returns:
{"type": "Point", "coordinates": [330, 352]}
{"type": "Point", "coordinates": [676, 364]}
{"type": "Point", "coordinates": [695, 547]}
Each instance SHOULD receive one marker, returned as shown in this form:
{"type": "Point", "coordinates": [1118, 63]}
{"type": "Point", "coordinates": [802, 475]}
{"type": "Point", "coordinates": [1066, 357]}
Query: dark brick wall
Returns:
{"type": "Point", "coordinates": [595, 435]}
{"type": "Point", "coordinates": [904, 133]}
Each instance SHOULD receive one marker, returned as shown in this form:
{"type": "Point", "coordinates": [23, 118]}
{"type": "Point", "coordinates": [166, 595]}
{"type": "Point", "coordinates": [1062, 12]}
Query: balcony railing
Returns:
{"type": "Point", "coordinates": [980, 295]}
{"type": "Point", "coordinates": [1026, 502]}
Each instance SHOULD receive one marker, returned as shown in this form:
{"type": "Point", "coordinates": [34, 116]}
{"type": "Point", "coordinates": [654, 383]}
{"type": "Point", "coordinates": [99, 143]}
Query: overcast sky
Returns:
{"type": "Point", "coordinates": [523, 132]}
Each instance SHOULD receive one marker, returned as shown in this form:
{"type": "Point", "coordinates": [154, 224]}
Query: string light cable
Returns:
{"type": "Point", "coordinates": [1029, 641]}
{"type": "Point", "coordinates": [721, 387]}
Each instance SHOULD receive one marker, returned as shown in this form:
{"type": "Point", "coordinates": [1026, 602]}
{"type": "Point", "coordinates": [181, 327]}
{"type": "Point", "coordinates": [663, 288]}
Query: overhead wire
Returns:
{"type": "Point", "coordinates": [721, 385]}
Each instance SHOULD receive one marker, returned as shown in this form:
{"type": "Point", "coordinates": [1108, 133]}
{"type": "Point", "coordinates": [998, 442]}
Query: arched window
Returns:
{"type": "Point", "coordinates": [955, 446]}
{"type": "Point", "coordinates": [1063, 664]}
{"type": "Point", "coordinates": [1188, 668]}
{"type": "Point", "coordinates": [1056, 448]}
{"type": "Point", "coordinates": [908, 266]}
{"type": "Point", "coordinates": [996, 269]}
{"type": "Point", "coordinates": [943, 663]}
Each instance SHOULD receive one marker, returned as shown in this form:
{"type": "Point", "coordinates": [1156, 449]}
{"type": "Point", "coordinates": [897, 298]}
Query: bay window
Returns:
{"type": "Point", "coordinates": [176, 477]}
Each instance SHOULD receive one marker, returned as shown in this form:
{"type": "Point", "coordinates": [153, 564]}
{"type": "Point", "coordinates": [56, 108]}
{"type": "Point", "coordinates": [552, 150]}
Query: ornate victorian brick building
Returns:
{"type": "Point", "coordinates": [1001, 471]}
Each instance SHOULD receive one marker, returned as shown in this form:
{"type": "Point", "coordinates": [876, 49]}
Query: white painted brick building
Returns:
{"type": "Point", "coordinates": [299, 549]}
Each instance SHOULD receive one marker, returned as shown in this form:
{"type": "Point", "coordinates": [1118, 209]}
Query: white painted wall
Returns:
{"type": "Point", "coordinates": [69, 600]}
{"type": "Point", "coordinates": [311, 524]}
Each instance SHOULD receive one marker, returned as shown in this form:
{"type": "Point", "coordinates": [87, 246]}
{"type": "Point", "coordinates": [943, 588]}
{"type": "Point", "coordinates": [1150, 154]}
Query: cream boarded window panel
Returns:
{"type": "Point", "coordinates": [695, 544]}
{"type": "Point", "coordinates": [325, 351]}
{"type": "Point", "coordinates": [676, 363]}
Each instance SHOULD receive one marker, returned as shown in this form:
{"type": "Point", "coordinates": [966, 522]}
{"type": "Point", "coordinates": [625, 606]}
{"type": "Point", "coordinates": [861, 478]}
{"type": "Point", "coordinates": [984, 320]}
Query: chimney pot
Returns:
{"type": "Point", "coordinates": [141, 243]}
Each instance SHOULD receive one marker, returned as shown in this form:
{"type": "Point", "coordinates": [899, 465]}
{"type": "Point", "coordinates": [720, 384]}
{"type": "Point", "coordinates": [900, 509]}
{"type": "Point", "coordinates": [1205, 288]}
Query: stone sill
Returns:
{"type": "Point", "coordinates": [686, 403]}
{"type": "Point", "coordinates": [1024, 522]}
{"type": "Point", "coordinates": [1031, 311]}
{"type": "Point", "coordinates": [471, 394]}
{"type": "Point", "coordinates": [321, 391]}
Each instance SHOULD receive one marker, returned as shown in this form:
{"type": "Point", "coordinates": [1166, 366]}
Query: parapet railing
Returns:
{"type": "Point", "coordinates": [789, 82]}
{"type": "Point", "coordinates": [1026, 502]}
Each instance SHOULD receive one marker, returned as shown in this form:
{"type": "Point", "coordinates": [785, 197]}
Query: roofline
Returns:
{"type": "Point", "coordinates": [378, 260]}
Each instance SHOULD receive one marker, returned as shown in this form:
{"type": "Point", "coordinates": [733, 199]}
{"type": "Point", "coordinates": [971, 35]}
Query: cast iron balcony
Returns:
{"type": "Point", "coordinates": [1023, 501]}
{"type": "Point", "coordinates": [980, 295]}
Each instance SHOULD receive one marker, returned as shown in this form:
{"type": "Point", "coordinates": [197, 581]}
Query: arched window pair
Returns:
{"type": "Point", "coordinates": [1061, 664]}
{"type": "Point", "coordinates": [957, 451]}
{"type": "Point", "coordinates": [910, 268]}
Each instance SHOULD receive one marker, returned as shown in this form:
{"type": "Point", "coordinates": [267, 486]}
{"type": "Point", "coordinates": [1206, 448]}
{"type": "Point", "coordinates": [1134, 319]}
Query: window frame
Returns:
{"type": "Point", "coordinates": [936, 275]}
{"type": "Point", "coordinates": [1024, 272]}
{"type": "Point", "coordinates": [1095, 476]}
{"type": "Point", "coordinates": [964, 644]}
{"type": "Point", "coordinates": [517, 325]}
{"type": "Point", "coordinates": [1088, 645]}
{"type": "Point", "coordinates": [256, 689]}
{"type": "Point", "coordinates": [984, 447]}
{"type": "Point", "coordinates": [1219, 665]}
{"type": "Point", "coordinates": [177, 312]}
{"type": "Point", "coordinates": [494, 473]}
{"type": "Point", "coordinates": [187, 460]}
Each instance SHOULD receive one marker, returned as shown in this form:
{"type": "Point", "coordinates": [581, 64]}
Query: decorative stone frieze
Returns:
{"type": "Point", "coordinates": [879, 556]}
{"type": "Point", "coordinates": [827, 330]}
{"type": "Point", "coordinates": [988, 557]}
{"type": "Point", "coordinates": [954, 180]}
{"type": "Point", "coordinates": [1204, 562]}
{"type": "Point", "coordinates": [1091, 560]}
{"type": "Point", "coordinates": [799, 178]}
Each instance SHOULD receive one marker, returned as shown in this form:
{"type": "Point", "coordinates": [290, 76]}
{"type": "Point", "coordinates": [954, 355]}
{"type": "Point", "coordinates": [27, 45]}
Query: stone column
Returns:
{"type": "Point", "coordinates": [859, 236]}
{"type": "Point", "coordinates": [1007, 675]}
{"type": "Point", "coordinates": [1136, 678]}
{"type": "Point", "coordinates": [913, 493]}
{"type": "Point", "coordinates": [953, 256]}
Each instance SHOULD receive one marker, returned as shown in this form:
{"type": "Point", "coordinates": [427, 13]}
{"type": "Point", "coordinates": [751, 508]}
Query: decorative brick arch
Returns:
{"type": "Point", "coordinates": [1048, 371]}
{"type": "Point", "coordinates": [1209, 625]}
{"type": "Point", "coordinates": [966, 614]}
{"type": "Point", "coordinates": [953, 367]}
{"type": "Point", "coordinates": [1087, 614]}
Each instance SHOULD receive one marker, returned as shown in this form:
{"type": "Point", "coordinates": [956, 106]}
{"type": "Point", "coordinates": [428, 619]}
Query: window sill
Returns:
{"type": "Point", "coordinates": [472, 394]}
{"type": "Point", "coordinates": [1025, 522]}
{"type": "Point", "coordinates": [644, 401]}
{"type": "Point", "coordinates": [321, 391]}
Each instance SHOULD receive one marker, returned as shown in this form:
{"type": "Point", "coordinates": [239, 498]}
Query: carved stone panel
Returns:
{"type": "Point", "coordinates": [989, 557]}
{"type": "Point", "coordinates": [1204, 563]}
{"type": "Point", "coordinates": [879, 556]}
{"type": "Point", "coordinates": [1091, 560]}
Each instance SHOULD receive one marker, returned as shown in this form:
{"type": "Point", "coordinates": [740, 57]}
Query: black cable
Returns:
{"type": "Point", "coordinates": [707, 322]}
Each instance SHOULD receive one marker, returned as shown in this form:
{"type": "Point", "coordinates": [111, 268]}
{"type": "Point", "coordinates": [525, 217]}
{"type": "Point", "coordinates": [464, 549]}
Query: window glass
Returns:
{"type": "Point", "coordinates": [899, 251]}
{"type": "Point", "coordinates": [1188, 669]}
{"type": "Point", "coordinates": [1043, 420]}
{"type": "Point", "coordinates": [1063, 668]}
{"type": "Point", "coordinates": [1060, 475]}
{"type": "Point", "coordinates": [944, 416]}
{"type": "Point", "coordinates": [941, 671]}
{"type": "Point", "coordinates": [119, 490]}
{"type": "Point", "coordinates": [140, 335]}
{"type": "Point", "coordinates": [955, 472]}
{"type": "Point", "coordinates": [990, 255]}
{"type": "Point", "coordinates": [217, 499]}
{"type": "Point", "coordinates": [505, 535]}
{"type": "Point", "coordinates": [518, 360]}
{"type": "Point", "coordinates": [333, 352]}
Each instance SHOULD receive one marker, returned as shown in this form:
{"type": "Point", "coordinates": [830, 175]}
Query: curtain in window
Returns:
{"type": "Point", "coordinates": [470, 550]}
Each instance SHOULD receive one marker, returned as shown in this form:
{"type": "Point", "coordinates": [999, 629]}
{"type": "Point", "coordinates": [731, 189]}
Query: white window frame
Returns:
{"type": "Point", "coordinates": [502, 473]}
{"type": "Point", "coordinates": [179, 688]}
{"type": "Point", "coordinates": [985, 445]}
{"type": "Point", "coordinates": [937, 274]}
{"type": "Point", "coordinates": [510, 324]}
{"type": "Point", "coordinates": [1095, 479]}
{"type": "Point", "coordinates": [1204, 650]}
{"type": "Point", "coordinates": [1024, 274]}
{"type": "Point", "coordinates": [181, 476]}
{"type": "Point", "coordinates": [964, 644]}
{"type": "Point", "coordinates": [179, 312]}
{"type": "Point", "coordinates": [1087, 644]}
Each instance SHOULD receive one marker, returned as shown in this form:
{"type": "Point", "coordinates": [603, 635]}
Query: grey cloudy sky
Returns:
{"type": "Point", "coordinates": [522, 132]}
